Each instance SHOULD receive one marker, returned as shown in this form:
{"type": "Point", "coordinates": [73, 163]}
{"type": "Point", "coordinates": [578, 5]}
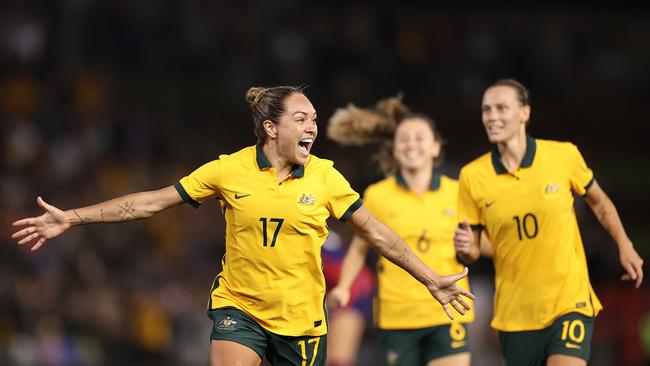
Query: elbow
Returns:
{"type": "Point", "coordinates": [152, 210]}
{"type": "Point", "coordinates": [158, 201]}
{"type": "Point", "coordinates": [149, 209]}
{"type": "Point", "coordinates": [375, 239]}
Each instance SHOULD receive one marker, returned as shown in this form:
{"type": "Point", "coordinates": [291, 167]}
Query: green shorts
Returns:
{"type": "Point", "coordinates": [412, 347]}
{"type": "Point", "coordinates": [569, 335]}
{"type": "Point", "coordinates": [234, 325]}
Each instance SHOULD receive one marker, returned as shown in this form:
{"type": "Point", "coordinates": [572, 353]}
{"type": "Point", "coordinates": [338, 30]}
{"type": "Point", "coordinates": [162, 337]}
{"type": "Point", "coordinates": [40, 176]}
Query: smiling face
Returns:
{"type": "Point", "coordinates": [504, 116]}
{"type": "Point", "coordinates": [296, 130]}
{"type": "Point", "coordinates": [414, 145]}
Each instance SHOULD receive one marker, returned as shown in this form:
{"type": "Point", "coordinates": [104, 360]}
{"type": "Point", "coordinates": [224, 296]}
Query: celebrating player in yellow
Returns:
{"type": "Point", "coordinates": [268, 301]}
{"type": "Point", "coordinates": [420, 204]}
{"type": "Point", "coordinates": [521, 195]}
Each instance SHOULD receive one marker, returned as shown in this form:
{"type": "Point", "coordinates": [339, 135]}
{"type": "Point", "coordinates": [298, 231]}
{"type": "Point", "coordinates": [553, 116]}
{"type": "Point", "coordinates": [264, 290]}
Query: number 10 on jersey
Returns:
{"type": "Point", "coordinates": [526, 226]}
{"type": "Point", "coordinates": [265, 236]}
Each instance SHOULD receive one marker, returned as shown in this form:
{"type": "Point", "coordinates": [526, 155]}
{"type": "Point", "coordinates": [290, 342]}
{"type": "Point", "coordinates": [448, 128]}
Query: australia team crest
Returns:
{"type": "Point", "coordinates": [306, 199]}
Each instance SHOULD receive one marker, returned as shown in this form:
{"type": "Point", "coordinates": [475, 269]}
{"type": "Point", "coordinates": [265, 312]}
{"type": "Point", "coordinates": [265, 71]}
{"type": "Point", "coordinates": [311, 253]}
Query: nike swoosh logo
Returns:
{"type": "Point", "coordinates": [571, 345]}
{"type": "Point", "coordinates": [457, 344]}
{"type": "Point", "coordinates": [238, 196]}
{"type": "Point", "coordinates": [488, 204]}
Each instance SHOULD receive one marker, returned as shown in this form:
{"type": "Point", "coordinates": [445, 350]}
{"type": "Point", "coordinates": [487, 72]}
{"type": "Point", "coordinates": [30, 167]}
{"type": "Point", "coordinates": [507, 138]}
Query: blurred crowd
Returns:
{"type": "Point", "coordinates": [101, 98]}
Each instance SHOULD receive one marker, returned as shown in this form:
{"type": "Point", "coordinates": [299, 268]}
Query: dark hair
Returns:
{"type": "Point", "coordinates": [360, 126]}
{"type": "Point", "coordinates": [268, 103]}
{"type": "Point", "coordinates": [523, 95]}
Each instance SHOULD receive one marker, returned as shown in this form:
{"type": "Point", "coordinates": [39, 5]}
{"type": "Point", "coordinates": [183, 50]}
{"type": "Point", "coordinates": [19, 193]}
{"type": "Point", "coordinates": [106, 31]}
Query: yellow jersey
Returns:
{"type": "Point", "coordinates": [272, 269]}
{"type": "Point", "coordinates": [540, 265]}
{"type": "Point", "coordinates": [426, 223]}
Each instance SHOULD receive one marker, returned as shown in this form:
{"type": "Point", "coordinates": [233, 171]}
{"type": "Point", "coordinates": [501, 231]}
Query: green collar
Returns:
{"type": "Point", "coordinates": [526, 162]}
{"type": "Point", "coordinates": [433, 185]}
{"type": "Point", "coordinates": [264, 163]}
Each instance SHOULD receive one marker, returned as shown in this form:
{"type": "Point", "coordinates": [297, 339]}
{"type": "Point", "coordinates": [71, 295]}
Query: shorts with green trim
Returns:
{"type": "Point", "coordinates": [413, 347]}
{"type": "Point", "coordinates": [231, 324]}
{"type": "Point", "coordinates": [569, 335]}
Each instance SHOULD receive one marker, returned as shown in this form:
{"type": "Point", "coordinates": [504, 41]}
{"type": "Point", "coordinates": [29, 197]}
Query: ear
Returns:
{"type": "Point", "coordinates": [525, 114]}
{"type": "Point", "coordinates": [270, 128]}
{"type": "Point", "coordinates": [437, 147]}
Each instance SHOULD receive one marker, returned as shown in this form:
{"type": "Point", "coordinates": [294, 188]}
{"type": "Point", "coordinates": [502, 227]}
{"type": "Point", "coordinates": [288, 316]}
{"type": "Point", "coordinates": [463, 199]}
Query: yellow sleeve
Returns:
{"type": "Point", "coordinates": [467, 207]}
{"type": "Point", "coordinates": [343, 200]}
{"type": "Point", "coordinates": [580, 175]}
{"type": "Point", "coordinates": [201, 183]}
{"type": "Point", "coordinates": [370, 201]}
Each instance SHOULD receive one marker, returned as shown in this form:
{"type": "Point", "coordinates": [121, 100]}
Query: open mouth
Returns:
{"type": "Point", "coordinates": [305, 145]}
{"type": "Point", "coordinates": [494, 128]}
{"type": "Point", "coordinates": [412, 155]}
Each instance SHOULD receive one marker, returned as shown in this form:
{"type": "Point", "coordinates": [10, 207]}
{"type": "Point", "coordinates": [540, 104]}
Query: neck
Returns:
{"type": "Point", "coordinates": [418, 180]}
{"type": "Point", "coordinates": [513, 150]}
{"type": "Point", "coordinates": [282, 165]}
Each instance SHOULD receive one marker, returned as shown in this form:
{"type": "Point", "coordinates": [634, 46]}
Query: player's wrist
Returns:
{"type": "Point", "coordinates": [468, 257]}
{"type": "Point", "coordinates": [343, 286]}
{"type": "Point", "coordinates": [73, 219]}
{"type": "Point", "coordinates": [432, 281]}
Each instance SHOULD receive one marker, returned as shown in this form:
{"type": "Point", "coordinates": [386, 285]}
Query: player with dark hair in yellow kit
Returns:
{"type": "Point", "coordinates": [269, 299]}
{"type": "Point", "coordinates": [420, 204]}
{"type": "Point", "coordinates": [521, 195]}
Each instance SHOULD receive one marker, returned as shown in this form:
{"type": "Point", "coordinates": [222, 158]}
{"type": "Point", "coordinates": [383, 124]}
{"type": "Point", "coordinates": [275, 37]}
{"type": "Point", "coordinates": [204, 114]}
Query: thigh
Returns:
{"type": "Point", "coordinates": [234, 326]}
{"type": "Point", "coordinates": [346, 327]}
{"type": "Point", "coordinates": [445, 340]}
{"type": "Point", "coordinates": [226, 353]}
{"type": "Point", "coordinates": [564, 360]}
{"type": "Point", "coordinates": [457, 359]}
{"type": "Point", "coordinates": [401, 347]}
{"type": "Point", "coordinates": [297, 351]}
{"type": "Point", "coordinates": [570, 335]}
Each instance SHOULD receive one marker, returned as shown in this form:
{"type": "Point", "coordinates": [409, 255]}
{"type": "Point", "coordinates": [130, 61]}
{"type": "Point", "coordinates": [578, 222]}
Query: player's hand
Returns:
{"type": "Point", "coordinates": [632, 262]}
{"type": "Point", "coordinates": [49, 225]}
{"type": "Point", "coordinates": [448, 293]}
{"type": "Point", "coordinates": [338, 297]}
{"type": "Point", "coordinates": [463, 238]}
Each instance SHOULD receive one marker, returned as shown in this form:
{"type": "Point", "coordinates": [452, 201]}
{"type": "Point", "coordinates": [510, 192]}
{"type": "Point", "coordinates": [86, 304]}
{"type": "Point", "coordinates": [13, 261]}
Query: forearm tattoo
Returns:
{"type": "Point", "coordinates": [393, 246]}
{"type": "Point", "coordinates": [126, 211]}
{"type": "Point", "coordinates": [364, 224]}
{"type": "Point", "coordinates": [82, 220]}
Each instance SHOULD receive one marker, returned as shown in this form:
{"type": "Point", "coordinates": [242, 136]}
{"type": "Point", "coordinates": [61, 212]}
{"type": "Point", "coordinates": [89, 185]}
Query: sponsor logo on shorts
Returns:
{"type": "Point", "coordinates": [457, 344]}
{"type": "Point", "coordinates": [572, 345]}
{"type": "Point", "coordinates": [228, 323]}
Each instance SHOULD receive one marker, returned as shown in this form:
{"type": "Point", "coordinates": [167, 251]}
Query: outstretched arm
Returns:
{"type": "Point", "coordinates": [389, 244]}
{"type": "Point", "coordinates": [353, 262]}
{"type": "Point", "coordinates": [55, 222]}
{"type": "Point", "coordinates": [606, 213]}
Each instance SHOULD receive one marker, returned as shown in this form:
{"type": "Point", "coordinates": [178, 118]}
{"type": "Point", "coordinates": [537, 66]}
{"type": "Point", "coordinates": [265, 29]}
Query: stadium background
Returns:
{"type": "Point", "coordinates": [103, 98]}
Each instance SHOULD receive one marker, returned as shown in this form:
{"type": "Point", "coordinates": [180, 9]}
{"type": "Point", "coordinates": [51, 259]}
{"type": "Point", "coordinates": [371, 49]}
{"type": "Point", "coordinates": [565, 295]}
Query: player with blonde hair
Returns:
{"type": "Point", "coordinates": [419, 203]}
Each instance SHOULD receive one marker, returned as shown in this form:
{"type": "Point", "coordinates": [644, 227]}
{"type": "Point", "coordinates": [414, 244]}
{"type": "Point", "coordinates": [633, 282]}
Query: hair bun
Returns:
{"type": "Point", "coordinates": [254, 94]}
